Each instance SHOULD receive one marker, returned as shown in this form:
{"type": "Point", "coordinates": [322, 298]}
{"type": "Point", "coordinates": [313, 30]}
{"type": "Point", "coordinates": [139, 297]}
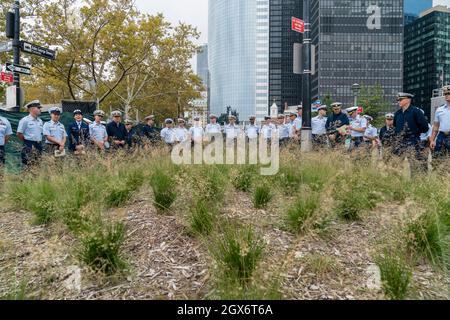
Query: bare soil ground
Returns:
{"type": "Point", "coordinates": [166, 262]}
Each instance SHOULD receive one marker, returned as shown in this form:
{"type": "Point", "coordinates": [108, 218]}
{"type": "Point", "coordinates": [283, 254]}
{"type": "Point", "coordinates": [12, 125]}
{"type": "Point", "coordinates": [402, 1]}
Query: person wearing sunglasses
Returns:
{"type": "Point", "coordinates": [97, 131]}
{"type": "Point", "coordinates": [116, 131]}
{"type": "Point", "coordinates": [410, 123]}
{"type": "Point", "coordinates": [334, 123]}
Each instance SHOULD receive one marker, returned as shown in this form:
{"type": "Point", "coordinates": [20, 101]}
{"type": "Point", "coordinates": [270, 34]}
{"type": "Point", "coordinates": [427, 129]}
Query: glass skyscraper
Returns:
{"type": "Point", "coordinates": [284, 85]}
{"type": "Point", "coordinates": [238, 49]}
{"type": "Point", "coordinates": [202, 65]}
{"type": "Point", "coordinates": [353, 48]}
{"type": "Point", "coordinates": [427, 55]}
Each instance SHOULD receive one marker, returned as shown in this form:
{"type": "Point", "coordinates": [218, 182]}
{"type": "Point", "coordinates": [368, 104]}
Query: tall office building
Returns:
{"type": "Point", "coordinates": [427, 55]}
{"type": "Point", "coordinates": [202, 64]}
{"type": "Point", "coordinates": [357, 42]}
{"type": "Point", "coordinates": [238, 52]}
{"type": "Point", "coordinates": [284, 85]}
{"type": "Point", "coordinates": [413, 8]}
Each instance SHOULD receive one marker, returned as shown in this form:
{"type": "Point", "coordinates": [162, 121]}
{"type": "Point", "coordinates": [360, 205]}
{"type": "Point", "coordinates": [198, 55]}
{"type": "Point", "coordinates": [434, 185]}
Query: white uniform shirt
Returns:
{"type": "Point", "coordinates": [371, 132]}
{"type": "Point", "coordinates": [213, 128]}
{"type": "Point", "coordinates": [97, 131]}
{"type": "Point", "coordinates": [443, 117]}
{"type": "Point", "coordinates": [168, 135]}
{"type": "Point", "coordinates": [55, 130]}
{"type": "Point", "coordinates": [358, 123]}
{"type": "Point", "coordinates": [298, 123]}
{"type": "Point", "coordinates": [318, 125]}
{"type": "Point", "coordinates": [232, 131]}
{"type": "Point", "coordinates": [5, 130]}
{"type": "Point", "coordinates": [196, 132]}
{"type": "Point", "coordinates": [31, 128]}
{"type": "Point", "coordinates": [182, 134]}
{"type": "Point", "coordinates": [284, 130]}
{"type": "Point", "coordinates": [252, 131]}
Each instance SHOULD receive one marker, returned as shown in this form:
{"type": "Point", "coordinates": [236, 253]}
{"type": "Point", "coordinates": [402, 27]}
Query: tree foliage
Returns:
{"type": "Point", "coordinates": [109, 51]}
{"type": "Point", "coordinates": [371, 98]}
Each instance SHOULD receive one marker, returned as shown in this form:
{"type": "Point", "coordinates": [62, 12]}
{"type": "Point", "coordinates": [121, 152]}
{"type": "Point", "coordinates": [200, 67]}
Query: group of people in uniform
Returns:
{"type": "Point", "coordinates": [407, 132]}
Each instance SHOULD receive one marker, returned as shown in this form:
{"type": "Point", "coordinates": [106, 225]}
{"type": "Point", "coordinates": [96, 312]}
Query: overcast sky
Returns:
{"type": "Point", "coordinates": [194, 12]}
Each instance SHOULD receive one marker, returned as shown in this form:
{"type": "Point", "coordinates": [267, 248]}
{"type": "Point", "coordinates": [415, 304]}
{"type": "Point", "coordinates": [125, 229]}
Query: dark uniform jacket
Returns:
{"type": "Point", "coordinates": [132, 139]}
{"type": "Point", "coordinates": [335, 121]}
{"type": "Point", "coordinates": [116, 131]}
{"type": "Point", "coordinates": [410, 124]}
{"type": "Point", "coordinates": [387, 136]}
{"type": "Point", "coordinates": [151, 133]}
{"type": "Point", "coordinates": [78, 135]}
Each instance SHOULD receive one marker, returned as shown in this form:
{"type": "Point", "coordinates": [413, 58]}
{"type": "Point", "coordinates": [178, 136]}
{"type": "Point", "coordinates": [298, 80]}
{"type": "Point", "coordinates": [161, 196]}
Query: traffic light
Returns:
{"type": "Point", "coordinates": [10, 17]}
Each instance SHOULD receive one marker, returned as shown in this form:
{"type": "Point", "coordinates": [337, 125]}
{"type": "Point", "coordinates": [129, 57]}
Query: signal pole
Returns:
{"type": "Point", "coordinates": [306, 129]}
{"type": "Point", "coordinates": [16, 48]}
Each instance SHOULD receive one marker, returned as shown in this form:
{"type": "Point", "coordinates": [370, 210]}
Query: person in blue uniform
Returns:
{"type": "Point", "coordinates": [335, 122]}
{"type": "Point", "coordinates": [97, 132]}
{"type": "Point", "coordinates": [387, 137]}
{"type": "Point", "coordinates": [116, 131]}
{"type": "Point", "coordinates": [440, 137]}
{"type": "Point", "coordinates": [410, 123]}
{"type": "Point", "coordinates": [78, 134]}
{"type": "Point", "coordinates": [5, 134]}
{"type": "Point", "coordinates": [151, 132]}
{"type": "Point", "coordinates": [54, 132]}
{"type": "Point", "coordinates": [30, 131]}
{"type": "Point", "coordinates": [132, 138]}
{"type": "Point", "coordinates": [357, 128]}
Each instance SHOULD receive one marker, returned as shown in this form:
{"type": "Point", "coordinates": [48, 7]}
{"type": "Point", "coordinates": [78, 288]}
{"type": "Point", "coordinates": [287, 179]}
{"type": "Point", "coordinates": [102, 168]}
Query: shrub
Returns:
{"type": "Point", "coordinates": [209, 183]}
{"type": "Point", "coordinates": [427, 237]}
{"type": "Point", "coordinates": [349, 208]}
{"type": "Point", "coordinates": [320, 265]}
{"type": "Point", "coordinates": [396, 274]}
{"type": "Point", "coordinates": [41, 201]}
{"type": "Point", "coordinates": [122, 187]}
{"type": "Point", "coordinates": [289, 177]}
{"type": "Point", "coordinates": [101, 249]}
{"type": "Point", "coordinates": [237, 252]}
{"type": "Point", "coordinates": [301, 211]}
{"type": "Point", "coordinates": [202, 218]}
{"type": "Point", "coordinates": [244, 178]}
{"type": "Point", "coordinates": [164, 190]}
{"type": "Point", "coordinates": [262, 196]}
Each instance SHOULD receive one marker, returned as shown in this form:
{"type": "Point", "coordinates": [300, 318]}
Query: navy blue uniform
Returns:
{"type": "Point", "coordinates": [387, 136]}
{"type": "Point", "coordinates": [409, 125]}
{"type": "Point", "coordinates": [132, 139]}
{"type": "Point", "coordinates": [78, 134]}
{"type": "Point", "coordinates": [151, 133]}
{"type": "Point", "coordinates": [117, 132]}
{"type": "Point", "coordinates": [334, 122]}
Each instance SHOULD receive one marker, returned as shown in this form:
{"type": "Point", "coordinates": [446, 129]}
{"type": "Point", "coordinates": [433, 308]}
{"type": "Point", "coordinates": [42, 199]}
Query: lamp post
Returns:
{"type": "Point", "coordinates": [356, 88]}
{"type": "Point", "coordinates": [306, 145]}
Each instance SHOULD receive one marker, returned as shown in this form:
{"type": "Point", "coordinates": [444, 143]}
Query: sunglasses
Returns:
{"type": "Point", "coordinates": [447, 94]}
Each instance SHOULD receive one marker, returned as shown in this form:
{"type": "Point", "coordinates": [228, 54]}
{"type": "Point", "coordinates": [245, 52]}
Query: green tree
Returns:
{"type": "Point", "coordinates": [371, 98]}
{"type": "Point", "coordinates": [108, 50]}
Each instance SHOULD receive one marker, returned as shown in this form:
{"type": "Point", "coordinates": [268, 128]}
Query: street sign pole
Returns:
{"type": "Point", "coordinates": [16, 47]}
{"type": "Point", "coordinates": [306, 130]}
